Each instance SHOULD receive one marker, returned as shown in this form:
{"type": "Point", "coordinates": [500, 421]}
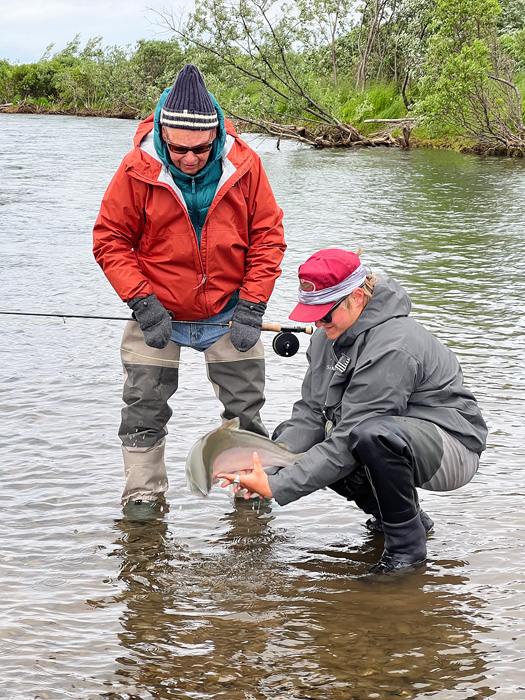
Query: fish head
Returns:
{"type": "Point", "coordinates": [202, 456]}
{"type": "Point", "coordinates": [197, 478]}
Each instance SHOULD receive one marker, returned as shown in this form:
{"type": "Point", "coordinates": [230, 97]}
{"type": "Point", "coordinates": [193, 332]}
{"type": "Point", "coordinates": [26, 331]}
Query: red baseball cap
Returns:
{"type": "Point", "coordinates": [326, 277]}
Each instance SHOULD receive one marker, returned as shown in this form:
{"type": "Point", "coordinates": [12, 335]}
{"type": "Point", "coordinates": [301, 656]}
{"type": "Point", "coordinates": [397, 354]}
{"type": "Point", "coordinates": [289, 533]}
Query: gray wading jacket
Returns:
{"type": "Point", "coordinates": [384, 364]}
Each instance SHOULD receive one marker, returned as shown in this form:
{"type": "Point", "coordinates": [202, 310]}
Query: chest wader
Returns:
{"type": "Point", "coordinates": [399, 455]}
{"type": "Point", "coordinates": [151, 377]}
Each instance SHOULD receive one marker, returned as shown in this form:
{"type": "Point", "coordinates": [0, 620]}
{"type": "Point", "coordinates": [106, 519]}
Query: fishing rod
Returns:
{"type": "Point", "coordinates": [284, 344]}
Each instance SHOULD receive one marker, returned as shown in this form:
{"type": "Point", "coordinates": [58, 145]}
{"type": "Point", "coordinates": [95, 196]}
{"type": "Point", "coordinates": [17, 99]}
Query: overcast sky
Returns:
{"type": "Point", "coordinates": [27, 27]}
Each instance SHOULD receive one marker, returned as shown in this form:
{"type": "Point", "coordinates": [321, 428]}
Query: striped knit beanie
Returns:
{"type": "Point", "coordinates": [188, 104]}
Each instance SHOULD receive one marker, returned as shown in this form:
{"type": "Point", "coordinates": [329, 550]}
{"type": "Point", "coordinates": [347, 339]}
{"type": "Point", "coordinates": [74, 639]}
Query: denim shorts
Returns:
{"type": "Point", "coordinates": [198, 334]}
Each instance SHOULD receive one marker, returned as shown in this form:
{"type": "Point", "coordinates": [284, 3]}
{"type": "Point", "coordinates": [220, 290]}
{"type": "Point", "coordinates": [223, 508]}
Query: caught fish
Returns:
{"type": "Point", "coordinates": [229, 449]}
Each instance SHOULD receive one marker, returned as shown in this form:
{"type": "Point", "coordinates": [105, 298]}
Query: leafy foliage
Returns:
{"type": "Point", "coordinates": [95, 79]}
{"type": "Point", "coordinates": [322, 65]}
{"type": "Point", "coordinates": [467, 83]}
{"type": "Point", "coordinates": [512, 16]}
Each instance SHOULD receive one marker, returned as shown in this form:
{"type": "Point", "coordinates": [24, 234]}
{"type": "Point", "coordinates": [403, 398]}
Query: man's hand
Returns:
{"type": "Point", "coordinates": [153, 319]}
{"type": "Point", "coordinates": [246, 324]}
{"type": "Point", "coordinates": [256, 482]}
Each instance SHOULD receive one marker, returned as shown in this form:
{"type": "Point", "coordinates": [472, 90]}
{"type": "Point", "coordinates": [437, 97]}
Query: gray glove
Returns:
{"type": "Point", "coordinates": [246, 324]}
{"type": "Point", "coordinates": [153, 319]}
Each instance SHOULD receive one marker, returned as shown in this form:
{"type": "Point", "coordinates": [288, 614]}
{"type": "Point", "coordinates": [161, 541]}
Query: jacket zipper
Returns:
{"type": "Point", "coordinates": [196, 211]}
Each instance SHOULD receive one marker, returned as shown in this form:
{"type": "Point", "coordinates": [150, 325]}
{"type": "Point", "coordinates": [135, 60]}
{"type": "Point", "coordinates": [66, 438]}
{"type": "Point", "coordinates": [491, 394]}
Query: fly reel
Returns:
{"type": "Point", "coordinates": [285, 344]}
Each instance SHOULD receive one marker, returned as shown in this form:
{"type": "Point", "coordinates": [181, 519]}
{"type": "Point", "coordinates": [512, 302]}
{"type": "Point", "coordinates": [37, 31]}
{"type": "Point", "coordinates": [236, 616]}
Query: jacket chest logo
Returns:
{"type": "Point", "coordinates": [342, 363]}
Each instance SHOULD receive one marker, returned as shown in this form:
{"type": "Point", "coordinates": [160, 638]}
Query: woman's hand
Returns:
{"type": "Point", "coordinates": [255, 482]}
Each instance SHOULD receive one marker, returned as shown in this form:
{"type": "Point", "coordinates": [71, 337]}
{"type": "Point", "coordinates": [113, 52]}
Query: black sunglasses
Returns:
{"type": "Point", "coordinates": [328, 317]}
{"type": "Point", "coordinates": [182, 150]}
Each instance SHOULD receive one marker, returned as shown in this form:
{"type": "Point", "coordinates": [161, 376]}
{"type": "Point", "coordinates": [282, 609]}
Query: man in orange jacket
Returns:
{"type": "Point", "coordinates": [188, 230]}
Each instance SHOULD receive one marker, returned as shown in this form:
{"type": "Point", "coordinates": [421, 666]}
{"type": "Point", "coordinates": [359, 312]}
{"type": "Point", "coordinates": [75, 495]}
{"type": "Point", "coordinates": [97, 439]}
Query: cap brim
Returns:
{"type": "Point", "coordinates": [308, 313]}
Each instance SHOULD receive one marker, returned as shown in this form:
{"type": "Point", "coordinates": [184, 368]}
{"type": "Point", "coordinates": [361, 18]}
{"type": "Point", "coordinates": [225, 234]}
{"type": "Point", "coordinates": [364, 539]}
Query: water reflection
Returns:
{"type": "Point", "coordinates": [244, 622]}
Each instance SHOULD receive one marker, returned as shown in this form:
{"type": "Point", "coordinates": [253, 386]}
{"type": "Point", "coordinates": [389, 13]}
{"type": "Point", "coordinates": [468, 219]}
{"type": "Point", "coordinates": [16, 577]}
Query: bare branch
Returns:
{"type": "Point", "coordinates": [518, 102]}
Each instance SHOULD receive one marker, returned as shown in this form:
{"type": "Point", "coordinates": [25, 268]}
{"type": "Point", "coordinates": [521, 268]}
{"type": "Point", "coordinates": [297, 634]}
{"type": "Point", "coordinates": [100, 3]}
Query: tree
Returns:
{"type": "Point", "coordinates": [270, 44]}
{"type": "Point", "coordinates": [6, 81]}
{"type": "Point", "coordinates": [374, 14]}
{"type": "Point", "coordinates": [323, 22]}
{"type": "Point", "coordinates": [157, 62]}
{"type": "Point", "coordinates": [408, 43]}
{"type": "Point", "coordinates": [468, 82]}
{"type": "Point", "coordinates": [35, 80]}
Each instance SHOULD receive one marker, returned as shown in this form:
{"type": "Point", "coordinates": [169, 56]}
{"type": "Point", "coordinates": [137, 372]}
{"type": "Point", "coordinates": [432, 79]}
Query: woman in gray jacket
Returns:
{"type": "Point", "coordinates": [383, 409]}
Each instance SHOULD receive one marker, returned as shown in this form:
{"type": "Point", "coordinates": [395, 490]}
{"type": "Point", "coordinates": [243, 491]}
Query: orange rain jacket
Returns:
{"type": "Point", "coordinates": [146, 244]}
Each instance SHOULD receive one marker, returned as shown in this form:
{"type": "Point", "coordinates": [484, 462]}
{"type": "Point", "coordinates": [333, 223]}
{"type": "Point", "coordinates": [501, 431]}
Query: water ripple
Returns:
{"type": "Point", "coordinates": [250, 601]}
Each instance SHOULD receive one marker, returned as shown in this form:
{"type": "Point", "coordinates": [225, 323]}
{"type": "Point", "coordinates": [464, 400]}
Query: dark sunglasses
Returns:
{"type": "Point", "coordinates": [328, 317]}
{"type": "Point", "coordinates": [182, 150]}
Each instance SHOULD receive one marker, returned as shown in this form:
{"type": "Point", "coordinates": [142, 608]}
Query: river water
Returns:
{"type": "Point", "coordinates": [244, 601]}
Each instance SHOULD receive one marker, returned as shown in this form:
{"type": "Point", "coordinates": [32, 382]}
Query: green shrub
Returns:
{"type": "Point", "coordinates": [514, 45]}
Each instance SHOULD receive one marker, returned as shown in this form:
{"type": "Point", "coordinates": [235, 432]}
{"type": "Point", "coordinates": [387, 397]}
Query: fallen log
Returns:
{"type": "Point", "coordinates": [325, 136]}
{"type": "Point", "coordinates": [406, 124]}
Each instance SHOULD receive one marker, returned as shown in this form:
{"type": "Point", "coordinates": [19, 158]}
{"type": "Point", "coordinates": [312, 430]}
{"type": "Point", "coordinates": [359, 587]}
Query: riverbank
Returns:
{"type": "Point", "coordinates": [400, 134]}
{"type": "Point", "coordinates": [34, 108]}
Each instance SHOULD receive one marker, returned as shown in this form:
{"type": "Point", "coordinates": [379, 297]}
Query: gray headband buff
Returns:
{"type": "Point", "coordinates": [188, 104]}
{"type": "Point", "coordinates": [338, 291]}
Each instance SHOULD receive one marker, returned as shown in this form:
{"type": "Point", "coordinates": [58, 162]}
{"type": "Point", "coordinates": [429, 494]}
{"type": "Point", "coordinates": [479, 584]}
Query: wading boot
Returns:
{"type": "Point", "coordinates": [375, 524]}
{"type": "Point", "coordinates": [144, 511]}
{"type": "Point", "coordinates": [405, 547]}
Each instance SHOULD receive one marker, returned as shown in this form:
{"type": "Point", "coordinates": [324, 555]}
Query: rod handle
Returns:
{"type": "Point", "coordinates": [275, 327]}
{"type": "Point", "coordinates": [278, 328]}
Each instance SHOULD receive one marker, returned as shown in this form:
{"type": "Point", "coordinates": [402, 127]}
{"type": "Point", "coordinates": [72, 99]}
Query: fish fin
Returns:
{"type": "Point", "coordinates": [233, 424]}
